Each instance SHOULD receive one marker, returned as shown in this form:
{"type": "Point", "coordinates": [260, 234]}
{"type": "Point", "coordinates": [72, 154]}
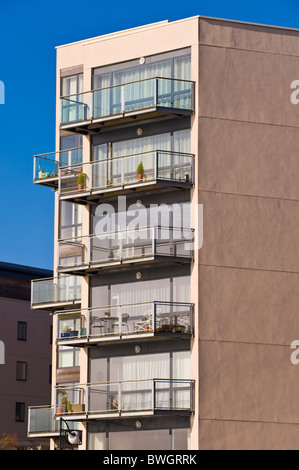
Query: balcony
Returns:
{"type": "Point", "coordinates": [125, 399]}
{"type": "Point", "coordinates": [142, 321]}
{"type": "Point", "coordinates": [42, 422]}
{"type": "Point", "coordinates": [48, 167]}
{"type": "Point", "coordinates": [148, 245]}
{"type": "Point", "coordinates": [56, 292]}
{"type": "Point", "coordinates": [126, 103]}
{"type": "Point", "coordinates": [160, 169]}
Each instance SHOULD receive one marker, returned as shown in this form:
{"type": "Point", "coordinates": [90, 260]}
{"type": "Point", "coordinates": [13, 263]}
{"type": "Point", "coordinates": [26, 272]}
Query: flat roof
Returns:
{"type": "Point", "coordinates": [165, 22]}
{"type": "Point", "coordinates": [19, 271]}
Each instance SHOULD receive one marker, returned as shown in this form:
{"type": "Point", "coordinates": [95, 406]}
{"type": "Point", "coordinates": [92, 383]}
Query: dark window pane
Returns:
{"type": "Point", "coordinates": [22, 331]}
{"type": "Point", "coordinates": [20, 412]}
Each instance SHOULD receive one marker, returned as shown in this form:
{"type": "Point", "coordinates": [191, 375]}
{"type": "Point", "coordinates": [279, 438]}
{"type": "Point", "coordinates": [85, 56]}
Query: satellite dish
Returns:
{"type": "Point", "coordinates": [74, 437]}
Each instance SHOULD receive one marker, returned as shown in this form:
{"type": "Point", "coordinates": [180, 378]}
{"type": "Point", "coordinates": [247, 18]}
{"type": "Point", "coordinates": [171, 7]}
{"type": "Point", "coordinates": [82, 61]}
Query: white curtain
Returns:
{"type": "Point", "coordinates": [145, 147]}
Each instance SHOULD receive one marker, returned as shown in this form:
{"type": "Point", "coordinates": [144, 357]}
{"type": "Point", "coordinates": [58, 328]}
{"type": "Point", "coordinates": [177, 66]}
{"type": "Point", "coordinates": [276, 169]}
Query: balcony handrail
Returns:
{"type": "Point", "coordinates": [164, 302]}
{"type": "Point", "coordinates": [55, 277]}
{"type": "Point", "coordinates": [147, 227]}
{"type": "Point", "coordinates": [58, 151]}
{"type": "Point", "coordinates": [127, 83]}
{"type": "Point", "coordinates": [109, 159]}
{"type": "Point", "coordinates": [155, 379]}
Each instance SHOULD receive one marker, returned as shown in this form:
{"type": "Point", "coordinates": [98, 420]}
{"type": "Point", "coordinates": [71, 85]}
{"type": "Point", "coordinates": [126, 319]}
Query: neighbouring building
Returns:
{"type": "Point", "coordinates": [25, 363]}
{"type": "Point", "coordinates": [160, 342]}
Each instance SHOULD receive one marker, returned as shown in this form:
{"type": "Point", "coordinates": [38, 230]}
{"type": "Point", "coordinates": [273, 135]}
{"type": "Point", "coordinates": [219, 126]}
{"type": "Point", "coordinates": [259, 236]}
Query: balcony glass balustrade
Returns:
{"type": "Point", "coordinates": [155, 94]}
{"type": "Point", "coordinates": [160, 168]}
{"type": "Point", "coordinates": [56, 291]}
{"type": "Point", "coordinates": [135, 397]}
{"type": "Point", "coordinates": [135, 245]}
{"type": "Point", "coordinates": [41, 421]}
{"type": "Point", "coordinates": [49, 166]}
{"type": "Point", "coordinates": [142, 320]}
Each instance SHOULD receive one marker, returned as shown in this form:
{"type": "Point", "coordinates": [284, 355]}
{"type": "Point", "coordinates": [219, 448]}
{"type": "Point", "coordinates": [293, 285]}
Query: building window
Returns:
{"type": "Point", "coordinates": [20, 412]}
{"type": "Point", "coordinates": [22, 331]}
{"type": "Point", "coordinates": [68, 357]}
{"type": "Point", "coordinates": [21, 370]}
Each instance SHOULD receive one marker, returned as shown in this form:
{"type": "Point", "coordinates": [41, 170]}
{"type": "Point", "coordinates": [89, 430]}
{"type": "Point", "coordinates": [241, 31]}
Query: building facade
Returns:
{"type": "Point", "coordinates": [160, 341]}
{"type": "Point", "coordinates": [25, 361]}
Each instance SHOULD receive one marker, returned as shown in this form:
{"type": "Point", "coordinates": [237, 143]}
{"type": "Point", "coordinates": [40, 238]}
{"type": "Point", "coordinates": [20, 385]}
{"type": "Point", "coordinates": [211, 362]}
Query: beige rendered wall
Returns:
{"type": "Point", "coordinates": [249, 262]}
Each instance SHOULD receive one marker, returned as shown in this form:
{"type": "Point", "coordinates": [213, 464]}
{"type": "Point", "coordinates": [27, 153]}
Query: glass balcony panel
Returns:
{"type": "Point", "coordinates": [56, 290]}
{"type": "Point", "coordinates": [41, 420]}
{"type": "Point", "coordinates": [141, 318]}
{"type": "Point", "coordinates": [129, 396]}
{"type": "Point", "coordinates": [120, 172]}
{"type": "Point", "coordinates": [127, 98]}
{"type": "Point", "coordinates": [133, 243]}
{"type": "Point", "coordinates": [69, 179]}
{"type": "Point", "coordinates": [71, 253]}
{"type": "Point", "coordinates": [74, 108]}
{"type": "Point", "coordinates": [100, 175]}
{"type": "Point", "coordinates": [45, 167]}
{"type": "Point", "coordinates": [175, 94]}
{"type": "Point", "coordinates": [70, 157]}
{"type": "Point", "coordinates": [173, 395]}
{"type": "Point", "coordinates": [138, 95]}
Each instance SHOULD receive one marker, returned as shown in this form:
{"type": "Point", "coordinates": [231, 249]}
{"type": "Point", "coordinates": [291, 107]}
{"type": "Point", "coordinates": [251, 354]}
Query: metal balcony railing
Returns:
{"type": "Point", "coordinates": [123, 398]}
{"type": "Point", "coordinates": [48, 167]}
{"type": "Point", "coordinates": [55, 291]}
{"type": "Point", "coordinates": [159, 166]}
{"type": "Point", "coordinates": [128, 98]}
{"type": "Point", "coordinates": [143, 319]}
{"type": "Point", "coordinates": [125, 246]}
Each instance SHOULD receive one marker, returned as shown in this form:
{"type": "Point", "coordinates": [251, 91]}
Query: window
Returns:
{"type": "Point", "coordinates": [70, 220]}
{"type": "Point", "coordinates": [21, 370]}
{"type": "Point", "coordinates": [158, 439]}
{"type": "Point", "coordinates": [71, 109]}
{"type": "Point", "coordinates": [22, 331]}
{"type": "Point", "coordinates": [72, 146]}
{"type": "Point", "coordinates": [68, 357]}
{"type": "Point", "coordinates": [20, 412]}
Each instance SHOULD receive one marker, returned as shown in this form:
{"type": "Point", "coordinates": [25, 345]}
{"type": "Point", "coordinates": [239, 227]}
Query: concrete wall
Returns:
{"type": "Point", "coordinates": [249, 263]}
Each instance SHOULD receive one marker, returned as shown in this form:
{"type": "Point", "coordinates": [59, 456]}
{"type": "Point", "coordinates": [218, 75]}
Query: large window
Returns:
{"type": "Point", "coordinates": [125, 156]}
{"type": "Point", "coordinates": [167, 365]}
{"type": "Point", "coordinates": [158, 439]}
{"type": "Point", "coordinates": [108, 100]}
{"type": "Point", "coordinates": [170, 289]}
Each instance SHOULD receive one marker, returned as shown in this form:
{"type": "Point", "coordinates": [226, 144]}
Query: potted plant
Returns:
{"type": "Point", "coordinates": [81, 181]}
{"type": "Point", "coordinates": [69, 407]}
{"type": "Point", "coordinates": [107, 314]}
{"type": "Point", "coordinates": [74, 332]}
{"type": "Point", "coordinates": [65, 331]}
{"type": "Point", "coordinates": [63, 402]}
{"type": "Point", "coordinates": [140, 171]}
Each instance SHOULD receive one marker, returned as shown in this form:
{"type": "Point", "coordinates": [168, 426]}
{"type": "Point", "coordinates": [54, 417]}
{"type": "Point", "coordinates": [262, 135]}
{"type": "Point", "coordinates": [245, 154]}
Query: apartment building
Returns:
{"type": "Point", "coordinates": [160, 341]}
{"type": "Point", "coordinates": [25, 361]}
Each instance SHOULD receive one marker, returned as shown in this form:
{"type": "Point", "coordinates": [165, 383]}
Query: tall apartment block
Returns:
{"type": "Point", "coordinates": [160, 341]}
{"type": "Point", "coordinates": [25, 353]}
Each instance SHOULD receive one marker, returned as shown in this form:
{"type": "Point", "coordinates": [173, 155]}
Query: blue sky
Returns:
{"type": "Point", "coordinates": [29, 32]}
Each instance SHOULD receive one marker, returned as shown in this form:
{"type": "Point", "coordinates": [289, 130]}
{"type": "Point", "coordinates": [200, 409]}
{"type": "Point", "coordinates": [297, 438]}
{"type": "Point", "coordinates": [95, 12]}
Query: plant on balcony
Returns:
{"type": "Point", "coordinates": [140, 171]}
{"type": "Point", "coordinates": [81, 181]}
{"type": "Point", "coordinates": [63, 402]}
{"type": "Point", "coordinates": [65, 331]}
